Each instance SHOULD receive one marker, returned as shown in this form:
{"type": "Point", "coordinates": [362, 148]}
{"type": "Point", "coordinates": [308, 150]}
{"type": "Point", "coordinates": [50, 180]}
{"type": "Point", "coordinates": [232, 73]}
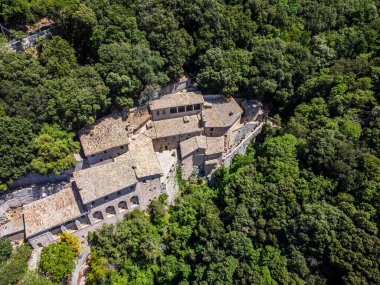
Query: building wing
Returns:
{"type": "Point", "coordinates": [99, 181]}
{"type": "Point", "coordinates": [142, 153]}
{"type": "Point", "coordinates": [220, 111]}
{"type": "Point", "coordinates": [176, 99]}
{"type": "Point", "coordinates": [112, 131]}
{"type": "Point", "coordinates": [174, 127]}
{"type": "Point", "coordinates": [51, 211]}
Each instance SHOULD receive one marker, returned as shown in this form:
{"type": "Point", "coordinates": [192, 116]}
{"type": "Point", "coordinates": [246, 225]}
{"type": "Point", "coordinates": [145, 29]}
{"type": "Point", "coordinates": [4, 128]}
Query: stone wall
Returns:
{"type": "Point", "coordinates": [111, 209]}
{"type": "Point", "coordinates": [34, 178]}
{"type": "Point", "coordinates": [242, 147]}
{"type": "Point", "coordinates": [164, 114]}
{"type": "Point", "coordinates": [172, 142]}
{"type": "Point", "coordinates": [107, 155]}
{"type": "Point", "coordinates": [168, 89]}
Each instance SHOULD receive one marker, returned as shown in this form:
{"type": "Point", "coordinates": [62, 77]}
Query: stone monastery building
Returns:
{"type": "Point", "coordinates": [131, 159]}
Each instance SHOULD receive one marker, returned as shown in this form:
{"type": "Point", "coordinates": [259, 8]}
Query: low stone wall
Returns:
{"type": "Point", "coordinates": [242, 147]}
{"type": "Point", "coordinates": [34, 178]}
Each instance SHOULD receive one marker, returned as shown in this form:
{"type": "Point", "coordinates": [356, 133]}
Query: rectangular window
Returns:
{"type": "Point", "coordinates": [158, 112]}
{"type": "Point", "coordinates": [181, 109]}
{"type": "Point", "coordinates": [173, 110]}
{"type": "Point", "coordinates": [189, 108]}
{"type": "Point", "coordinates": [211, 129]}
{"type": "Point", "coordinates": [197, 106]}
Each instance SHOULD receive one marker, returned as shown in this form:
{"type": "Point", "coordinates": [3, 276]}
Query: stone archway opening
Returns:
{"type": "Point", "coordinates": [135, 200]}
{"type": "Point", "coordinates": [110, 211]}
{"type": "Point", "coordinates": [123, 207]}
{"type": "Point", "coordinates": [98, 216]}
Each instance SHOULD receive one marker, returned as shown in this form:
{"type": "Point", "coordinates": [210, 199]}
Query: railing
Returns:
{"type": "Point", "coordinates": [236, 149]}
{"type": "Point", "coordinates": [29, 41]}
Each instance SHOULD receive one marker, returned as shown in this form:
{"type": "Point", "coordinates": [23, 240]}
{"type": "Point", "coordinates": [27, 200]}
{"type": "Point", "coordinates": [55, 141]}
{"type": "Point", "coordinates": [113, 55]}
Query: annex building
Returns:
{"type": "Point", "coordinates": [131, 159]}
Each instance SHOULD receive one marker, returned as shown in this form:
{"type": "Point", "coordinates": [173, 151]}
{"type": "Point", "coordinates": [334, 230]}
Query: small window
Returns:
{"type": "Point", "coordinates": [92, 203]}
{"type": "Point", "coordinates": [101, 159]}
{"type": "Point", "coordinates": [93, 155]}
{"type": "Point", "coordinates": [181, 109]}
{"type": "Point", "coordinates": [173, 110]}
{"type": "Point", "coordinates": [158, 112]}
{"type": "Point", "coordinates": [189, 108]}
{"type": "Point", "coordinates": [105, 151]}
{"type": "Point", "coordinates": [211, 129]}
{"type": "Point", "coordinates": [122, 147]}
{"type": "Point", "coordinates": [197, 107]}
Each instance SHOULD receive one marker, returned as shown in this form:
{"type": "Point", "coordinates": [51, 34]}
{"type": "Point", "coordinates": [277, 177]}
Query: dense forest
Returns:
{"type": "Point", "coordinates": [302, 207]}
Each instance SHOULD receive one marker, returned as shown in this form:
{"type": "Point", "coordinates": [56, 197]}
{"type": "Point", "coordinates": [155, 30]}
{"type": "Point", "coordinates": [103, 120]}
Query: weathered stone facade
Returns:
{"type": "Point", "coordinates": [131, 159]}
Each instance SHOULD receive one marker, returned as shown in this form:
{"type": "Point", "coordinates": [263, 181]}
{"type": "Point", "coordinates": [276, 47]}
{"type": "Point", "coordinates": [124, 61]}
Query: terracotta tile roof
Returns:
{"type": "Point", "coordinates": [174, 127]}
{"type": "Point", "coordinates": [221, 111]}
{"type": "Point", "coordinates": [51, 211]}
{"type": "Point", "coordinates": [106, 133]}
{"type": "Point", "coordinates": [215, 145]}
{"type": "Point", "coordinates": [142, 153]}
{"type": "Point", "coordinates": [15, 223]}
{"type": "Point", "coordinates": [189, 146]}
{"type": "Point", "coordinates": [111, 131]}
{"type": "Point", "coordinates": [176, 99]}
{"type": "Point", "coordinates": [99, 181]}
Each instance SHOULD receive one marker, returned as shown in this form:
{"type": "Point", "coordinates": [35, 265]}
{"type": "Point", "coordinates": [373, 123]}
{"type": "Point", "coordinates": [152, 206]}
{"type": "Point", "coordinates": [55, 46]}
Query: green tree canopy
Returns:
{"type": "Point", "coordinates": [16, 149]}
{"type": "Point", "coordinates": [55, 149]}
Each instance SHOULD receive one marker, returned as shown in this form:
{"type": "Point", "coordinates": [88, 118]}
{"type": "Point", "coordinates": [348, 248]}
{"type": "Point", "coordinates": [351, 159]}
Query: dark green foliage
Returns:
{"type": "Point", "coordinates": [5, 249]}
{"type": "Point", "coordinates": [58, 57]}
{"type": "Point", "coordinates": [16, 266]}
{"type": "Point", "coordinates": [55, 149]}
{"type": "Point", "coordinates": [16, 149]}
{"type": "Point", "coordinates": [33, 278]}
{"type": "Point", "coordinates": [301, 208]}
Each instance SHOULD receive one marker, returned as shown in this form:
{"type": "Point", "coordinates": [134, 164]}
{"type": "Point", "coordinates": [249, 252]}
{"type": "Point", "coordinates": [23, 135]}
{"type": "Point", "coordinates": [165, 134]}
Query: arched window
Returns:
{"type": "Point", "coordinates": [98, 215]}
{"type": "Point", "coordinates": [110, 210]}
{"type": "Point", "coordinates": [135, 200]}
{"type": "Point", "coordinates": [123, 205]}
